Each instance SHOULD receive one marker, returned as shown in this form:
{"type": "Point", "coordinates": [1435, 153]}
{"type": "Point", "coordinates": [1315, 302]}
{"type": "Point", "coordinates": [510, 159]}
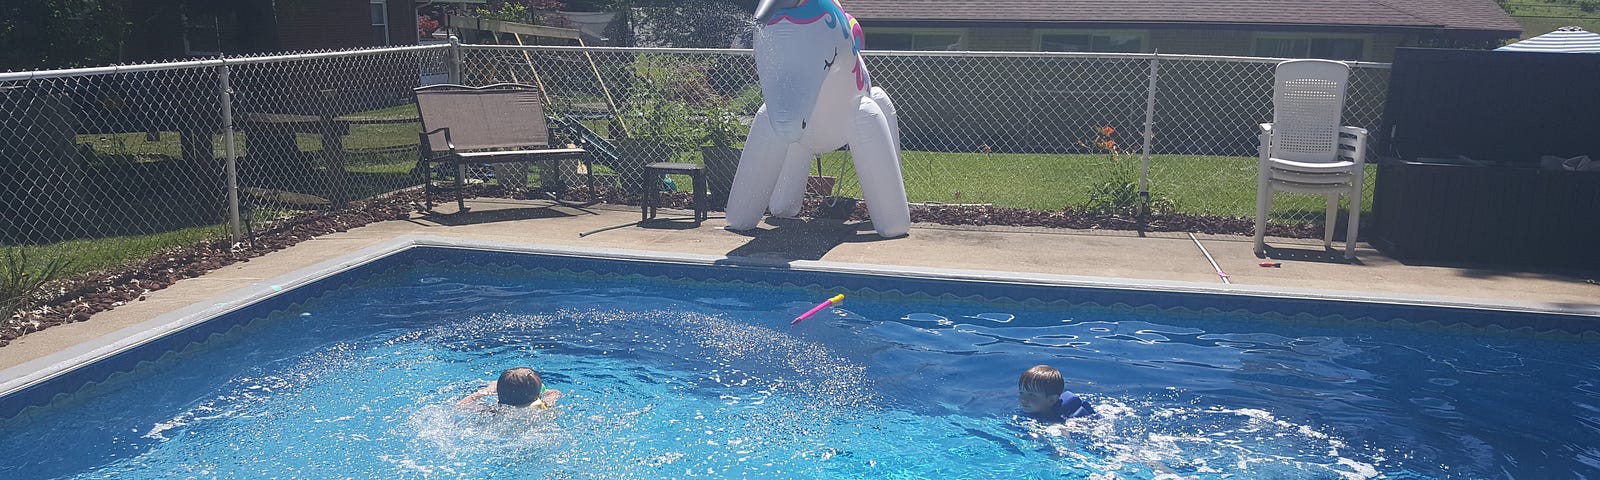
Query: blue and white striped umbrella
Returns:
{"type": "Point", "coordinates": [1563, 40]}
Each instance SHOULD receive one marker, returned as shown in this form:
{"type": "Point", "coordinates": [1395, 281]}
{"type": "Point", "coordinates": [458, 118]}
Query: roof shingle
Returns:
{"type": "Point", "coordinates": [1439, 14]}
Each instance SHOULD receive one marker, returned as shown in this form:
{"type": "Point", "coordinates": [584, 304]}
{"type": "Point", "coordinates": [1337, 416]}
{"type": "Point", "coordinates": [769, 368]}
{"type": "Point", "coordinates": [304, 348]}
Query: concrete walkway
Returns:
{"type": "Point", "coordinates": [1158, 256]}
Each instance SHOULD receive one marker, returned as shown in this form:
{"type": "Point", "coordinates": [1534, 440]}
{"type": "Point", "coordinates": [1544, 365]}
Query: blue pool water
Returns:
{"type": "Point", "coordinates": [669, 377]}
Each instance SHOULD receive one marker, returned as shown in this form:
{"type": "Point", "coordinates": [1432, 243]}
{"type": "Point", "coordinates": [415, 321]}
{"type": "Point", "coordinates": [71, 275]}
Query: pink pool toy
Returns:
{"type": "Point", "coordinates": [813, 311]}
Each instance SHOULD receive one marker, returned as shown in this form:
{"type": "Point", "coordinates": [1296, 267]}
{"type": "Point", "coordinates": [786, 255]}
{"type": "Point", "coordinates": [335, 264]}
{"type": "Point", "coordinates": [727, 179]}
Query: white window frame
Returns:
{"type": "Point", "coordinates": [961, 33]}
{"type": "Point", "coordinates": [1038, 36]}
{"type": "Point", "coordinates": [1366, 40]}
{"type": "Point", "coordinates": [383, 7]}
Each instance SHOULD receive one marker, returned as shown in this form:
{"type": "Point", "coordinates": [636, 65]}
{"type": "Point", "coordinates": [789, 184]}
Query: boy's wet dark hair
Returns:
{"type": "Point", "coordinates": [1042, 379]}
{"type": "Point", "coordinates": [518, 387]}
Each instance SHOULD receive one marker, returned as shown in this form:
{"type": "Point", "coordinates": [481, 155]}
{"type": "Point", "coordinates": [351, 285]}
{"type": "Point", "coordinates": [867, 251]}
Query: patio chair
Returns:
{"type": "Point", "coordinates": [1305, 150]}
{"type": "Point", "coordinates": [500, 123]}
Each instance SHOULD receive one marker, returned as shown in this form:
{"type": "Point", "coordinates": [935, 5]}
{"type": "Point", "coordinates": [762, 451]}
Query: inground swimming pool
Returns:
{"type": "Point", "coordinates": [687, 367]}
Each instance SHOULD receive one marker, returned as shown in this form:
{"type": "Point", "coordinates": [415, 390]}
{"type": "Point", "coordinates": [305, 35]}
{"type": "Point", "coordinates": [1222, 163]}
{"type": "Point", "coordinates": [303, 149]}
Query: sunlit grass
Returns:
{"type": "Point", "coordinates": [380, 156]}
{"type": "Point", "coordinates": [92, 254]}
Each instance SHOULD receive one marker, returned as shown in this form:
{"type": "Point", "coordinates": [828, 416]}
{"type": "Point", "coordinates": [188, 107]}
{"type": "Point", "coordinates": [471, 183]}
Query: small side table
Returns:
{"type": "Point", "coordinates": [697, 176]}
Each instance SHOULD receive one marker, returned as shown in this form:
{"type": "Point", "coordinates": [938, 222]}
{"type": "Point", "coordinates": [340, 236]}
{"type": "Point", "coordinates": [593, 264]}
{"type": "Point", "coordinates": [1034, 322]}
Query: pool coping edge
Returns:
{"type": "Point", "coordinates": [44, 368]}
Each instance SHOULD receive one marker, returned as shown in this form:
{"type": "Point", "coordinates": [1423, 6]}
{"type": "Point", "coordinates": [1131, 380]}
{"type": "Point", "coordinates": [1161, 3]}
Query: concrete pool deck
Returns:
{"type": "Point", "coordinates": [1157, 257]}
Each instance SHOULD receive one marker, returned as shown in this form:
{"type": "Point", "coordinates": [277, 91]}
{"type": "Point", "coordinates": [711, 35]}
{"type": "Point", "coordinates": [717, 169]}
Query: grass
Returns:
{"type": "Point", "coordinates": [362, 136]}
{"type": "Point", "coordinates": [1208, 185]}
{"type": "Point", "coordinates": [92, 254]}
{"type": "Point", "coordinates": [1539, 17]}
{"type": "Point", "coordinates": [380, 158]}
{"type": "Point", "coordinates": [1197, 184]}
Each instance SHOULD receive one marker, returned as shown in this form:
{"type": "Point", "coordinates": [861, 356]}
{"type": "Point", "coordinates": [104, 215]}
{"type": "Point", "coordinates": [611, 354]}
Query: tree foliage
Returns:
{"type": "Point", "coordinates": [40, 34]}
{"type": "Point", "coordinates": [689, 23]}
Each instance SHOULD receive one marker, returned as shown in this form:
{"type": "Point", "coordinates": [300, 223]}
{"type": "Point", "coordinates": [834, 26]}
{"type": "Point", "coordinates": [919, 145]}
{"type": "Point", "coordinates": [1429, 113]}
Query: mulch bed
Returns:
{"type": "Point", "coordinates": [83, 296]}
{"type": "Point", "coordinates": [95, 292]}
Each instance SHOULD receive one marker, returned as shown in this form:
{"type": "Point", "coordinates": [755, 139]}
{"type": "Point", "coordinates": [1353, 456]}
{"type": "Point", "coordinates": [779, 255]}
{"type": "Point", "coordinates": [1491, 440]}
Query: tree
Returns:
{"type": "Point", "coordinates": [748, 6]}
{"type": "Point", "coordinates": [61, 33]}
{"type": "Point", "coordinates": [596, 5]}
{"type": "Point", "coordinates": [688, 23]}
{"type": "Point", "coordinates": [539, 12]}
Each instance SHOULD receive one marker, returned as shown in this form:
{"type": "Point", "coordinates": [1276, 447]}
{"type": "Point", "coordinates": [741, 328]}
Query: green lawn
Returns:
{"type": "Point", "coordinates": [1207, 185]}
{"type": "Point", "coordinates": [380, 157]}
{"type": "Point", "coordinates": [1539, 17]}
{"type": "Point", "coordinates": [91, 254]}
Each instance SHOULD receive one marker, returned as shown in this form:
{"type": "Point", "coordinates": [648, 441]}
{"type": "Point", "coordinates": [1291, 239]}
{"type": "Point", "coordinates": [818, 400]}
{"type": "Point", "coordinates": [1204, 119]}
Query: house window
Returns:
{"type": "Point", "coordinates": [380, 21]}
{"type": "Point", "coordinates": [1101, 42]}
{"type": "Point", "coordinates": [200, 35]}
{"type": "Point", "coordinates": [880, 39]}
{"type": "Point", "coordinates": [1332, 48]}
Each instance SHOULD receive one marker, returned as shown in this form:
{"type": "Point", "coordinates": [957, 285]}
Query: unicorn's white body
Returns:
{"type": "Point", "coordinates": [819, 98]}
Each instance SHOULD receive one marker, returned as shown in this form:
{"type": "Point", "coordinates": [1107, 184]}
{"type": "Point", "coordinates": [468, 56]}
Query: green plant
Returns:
{"type": "Point", "coordinates": [662, 120]}
{"type": "Point", "coordinates": [748, 100]}
{"type": "Point", "coordinates": [719, 124]}
{"type": "Point", "coordinates": [1119, 192]}
{"type": "Point", "coordinates": [663, 100]}
{"type": "Point", "coordinates": [21, 280]}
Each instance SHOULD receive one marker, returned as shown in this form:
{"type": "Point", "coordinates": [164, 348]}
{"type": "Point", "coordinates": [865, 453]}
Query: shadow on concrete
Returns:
{"type": "Point", "coordinates": [1480, 270]}
{"type": "Point", "coordinates": [1315, 254]}
{"type": "Point", "coordinates": [802, 239]}
{"type": "Point", "coordinates": [669, 223]}
{"type": "Point", "coordinates": [482, 212]}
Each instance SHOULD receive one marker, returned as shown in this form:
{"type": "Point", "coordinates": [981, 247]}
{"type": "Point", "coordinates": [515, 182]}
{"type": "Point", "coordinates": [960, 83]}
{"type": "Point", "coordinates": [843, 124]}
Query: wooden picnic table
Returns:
{"type": "Point", "coordinates": [272, 136]}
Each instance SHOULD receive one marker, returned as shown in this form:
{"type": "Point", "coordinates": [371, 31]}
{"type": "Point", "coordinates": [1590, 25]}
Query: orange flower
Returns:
{"type": "Point", "coordinates": [1107, 131]}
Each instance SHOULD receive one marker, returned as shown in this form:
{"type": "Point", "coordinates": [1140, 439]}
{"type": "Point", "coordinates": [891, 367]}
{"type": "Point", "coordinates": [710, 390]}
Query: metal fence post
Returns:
{"type": "Point", "coordinates": [453, 61]}
{"type": "Point", "coordinates": [226, 94]}
{"type": "Point", "coordinates": [1149, 126]}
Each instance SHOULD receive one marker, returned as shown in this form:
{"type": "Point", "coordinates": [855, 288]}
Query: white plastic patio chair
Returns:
{"type": "Point", "coordinates": [1305, 150]}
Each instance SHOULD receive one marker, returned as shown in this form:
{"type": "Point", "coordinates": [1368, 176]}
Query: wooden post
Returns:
{"type": "Point", "coordinates": [231, 168]}
{"type": "Point", "coordinates": [534, 70]}
{"type": "Point", "coordinates": [603, 88]}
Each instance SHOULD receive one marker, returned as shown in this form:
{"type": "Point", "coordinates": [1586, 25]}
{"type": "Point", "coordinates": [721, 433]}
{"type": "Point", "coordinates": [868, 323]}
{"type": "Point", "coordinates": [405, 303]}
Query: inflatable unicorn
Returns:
{"type": "Point", "coordinates": [818, 98]}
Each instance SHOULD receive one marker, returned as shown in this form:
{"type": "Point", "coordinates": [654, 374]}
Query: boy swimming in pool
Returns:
{"type": "Point", "coordinates": [517, 387]}
{"type": "Point", "coordinates": [1042, 394]}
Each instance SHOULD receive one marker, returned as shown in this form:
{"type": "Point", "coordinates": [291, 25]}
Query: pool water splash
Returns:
{"type": "Point", "coordinates": [1150, 438]}
{"type": "Point", "coordinates": [666, 378]}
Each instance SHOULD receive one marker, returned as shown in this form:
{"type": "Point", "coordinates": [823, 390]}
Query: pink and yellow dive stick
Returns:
{"type": "Point", "coordinates": [813, 311]}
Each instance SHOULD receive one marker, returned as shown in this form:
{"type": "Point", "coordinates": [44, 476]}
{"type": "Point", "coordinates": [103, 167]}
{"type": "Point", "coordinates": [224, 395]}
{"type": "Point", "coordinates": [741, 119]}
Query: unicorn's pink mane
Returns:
{"type": "Point", "coordinates": [796, 21]}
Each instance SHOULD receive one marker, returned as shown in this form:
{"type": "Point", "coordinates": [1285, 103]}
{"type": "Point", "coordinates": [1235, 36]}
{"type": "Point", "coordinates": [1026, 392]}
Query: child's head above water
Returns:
{"type": "Point", "coordinates": [1039, 389]}
{"type": "Point", "coordinates": [519, 387]}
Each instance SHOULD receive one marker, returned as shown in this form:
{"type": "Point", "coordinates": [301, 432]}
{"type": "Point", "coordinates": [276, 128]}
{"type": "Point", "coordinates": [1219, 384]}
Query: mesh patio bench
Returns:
{"type": "Point", "coordinates": [468, 126]}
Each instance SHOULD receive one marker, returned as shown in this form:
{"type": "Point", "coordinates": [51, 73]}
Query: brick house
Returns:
{"type": "Point", "coordinates": [1365, 30]}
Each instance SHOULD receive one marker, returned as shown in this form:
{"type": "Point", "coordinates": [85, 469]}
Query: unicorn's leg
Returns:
{"type": "Point", "coordinates": [758, 171]}
{"type": "Point", "coordinates": [877, 162]}
{"type": "Point", "coordinates": [789, 194]}
{"type": "Point", "coordinates": [882, 99]}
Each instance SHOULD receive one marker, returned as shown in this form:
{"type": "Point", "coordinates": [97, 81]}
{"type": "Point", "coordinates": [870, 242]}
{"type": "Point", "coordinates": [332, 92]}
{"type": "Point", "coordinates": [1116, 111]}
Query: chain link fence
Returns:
{"type": "Point", "coordinates": [1041, 131]}
{"type": "Point", "coordinates": [145, 150]}
{"type": "Point", "coordinates": [139, 157]}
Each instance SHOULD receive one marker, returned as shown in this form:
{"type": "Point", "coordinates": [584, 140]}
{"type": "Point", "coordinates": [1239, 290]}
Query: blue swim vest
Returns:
{"type": "Point", "coordinates": [1071, 406]}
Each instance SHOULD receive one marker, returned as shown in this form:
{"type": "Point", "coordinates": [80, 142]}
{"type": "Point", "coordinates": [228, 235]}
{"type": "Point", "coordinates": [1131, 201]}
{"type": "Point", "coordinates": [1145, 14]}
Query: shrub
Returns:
{"type": "Point", "coordinates": [21, 281]}
{"type": "Point", "coordinates": [1119, 192]}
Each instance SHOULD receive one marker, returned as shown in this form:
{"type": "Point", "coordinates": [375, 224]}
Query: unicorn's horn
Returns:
{"type": "Point", "coordinates": [770, 8]}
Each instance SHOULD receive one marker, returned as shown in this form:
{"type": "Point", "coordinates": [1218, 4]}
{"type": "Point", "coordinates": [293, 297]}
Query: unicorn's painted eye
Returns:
{"type": "Point", "coordinates": [827, 64]}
